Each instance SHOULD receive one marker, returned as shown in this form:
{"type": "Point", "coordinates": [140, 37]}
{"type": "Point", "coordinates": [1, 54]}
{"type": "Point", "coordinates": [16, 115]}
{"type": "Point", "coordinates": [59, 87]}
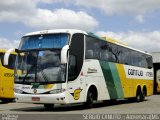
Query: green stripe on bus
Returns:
{"type": "Point", "coordinates": [116, 79]}
{"type": "Point", "coordinates": [109, 79]}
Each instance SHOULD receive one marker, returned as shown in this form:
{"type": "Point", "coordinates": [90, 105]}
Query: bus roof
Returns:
{"type": "Point", "coordinates": [2, 50]}
{"type": "Point", "coordinates": [114, 40]}
{"type": "Point", "coordinates": [71, 31]}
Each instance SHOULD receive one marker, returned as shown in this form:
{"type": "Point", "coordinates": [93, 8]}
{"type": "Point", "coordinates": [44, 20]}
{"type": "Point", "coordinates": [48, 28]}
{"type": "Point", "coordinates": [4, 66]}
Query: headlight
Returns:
{"type": "Point", "coordinates": [18, 91]}
{"type": "Point", "coordinates": [57, 91]}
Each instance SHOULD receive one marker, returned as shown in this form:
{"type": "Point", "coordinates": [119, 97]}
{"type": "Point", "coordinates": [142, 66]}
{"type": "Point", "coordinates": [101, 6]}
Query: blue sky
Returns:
{"type": "Point", "coordinates": [135, 22]}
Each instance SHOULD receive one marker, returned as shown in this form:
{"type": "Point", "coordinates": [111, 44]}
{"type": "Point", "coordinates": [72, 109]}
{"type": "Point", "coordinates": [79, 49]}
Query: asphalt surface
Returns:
{"type": "Point", "coordinates": [118, 109]}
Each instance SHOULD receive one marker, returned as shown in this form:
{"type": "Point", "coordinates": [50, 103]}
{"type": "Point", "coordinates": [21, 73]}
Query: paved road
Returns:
{"type": "Point", "coordinates": [37, 112]}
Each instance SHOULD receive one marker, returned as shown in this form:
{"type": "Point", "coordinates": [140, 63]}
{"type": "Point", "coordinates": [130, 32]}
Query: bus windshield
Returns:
{"type": "Point", "coordinates": [40, 66]}
{"type": "Point", "coordinates": [44, 41]}
{"type": "Point", "coordinates": [40, 60]}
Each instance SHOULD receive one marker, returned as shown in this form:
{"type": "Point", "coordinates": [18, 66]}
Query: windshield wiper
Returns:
{"type": "Point", "coordinates": [44, 76]}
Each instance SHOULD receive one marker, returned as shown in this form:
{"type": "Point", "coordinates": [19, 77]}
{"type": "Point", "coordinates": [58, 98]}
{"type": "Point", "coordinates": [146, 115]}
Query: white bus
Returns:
{"type": "Point", "coordinates": [67, 66]}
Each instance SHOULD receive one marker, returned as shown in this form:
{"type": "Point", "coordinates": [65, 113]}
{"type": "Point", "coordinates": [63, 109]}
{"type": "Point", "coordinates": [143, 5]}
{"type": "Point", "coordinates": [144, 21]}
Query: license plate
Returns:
{"type": "Point", "coordinates": [35, 99]}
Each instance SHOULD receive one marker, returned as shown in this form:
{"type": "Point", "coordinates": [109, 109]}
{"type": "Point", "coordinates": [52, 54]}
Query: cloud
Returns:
{"type": "Point", "coordinates": [111, 7]}
{"type": "Point", "coordinates": [18, 6]}
{"type": "Point", "coordinates": [16, 10]}
{"type": "Point", "coordinates": [136, 8]}
{"type": "Point", "coordinates": [139, 18]}
{"type": "Point", "coordinates": [7, 44]}
{"type": "Point", "coordinates": [146, 41]}
{"type": "Point", "coordinates": [48, 1]}
{"type": "Point", "coordinates": [121, 6]}
{"type": "Point", "coordinates": [62, 18]}
{"type": "Point", "coordinates": [53, 1]}
{"type": "Point", "coordinates": [30, 15]}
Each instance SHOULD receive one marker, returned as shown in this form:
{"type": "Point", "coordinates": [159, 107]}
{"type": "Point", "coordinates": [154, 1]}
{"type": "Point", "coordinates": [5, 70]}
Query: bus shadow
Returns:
{"type": "Point", "coordinates": [75, 107]}
{"type": "Point", "coordinates": [116, 102]}
{"type": "Point", "coordinates": [156, 94]}
{"type": "Point", "coordinates": [3, 103]}
{"type": "Point", "coordinates": [61, 108]}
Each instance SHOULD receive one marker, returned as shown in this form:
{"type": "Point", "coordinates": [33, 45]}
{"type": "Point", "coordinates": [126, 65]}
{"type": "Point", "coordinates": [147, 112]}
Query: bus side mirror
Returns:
{"type": "Point", "coordinates": [64, 52]}
{"type": "Point", "coordinates": [7, 54]}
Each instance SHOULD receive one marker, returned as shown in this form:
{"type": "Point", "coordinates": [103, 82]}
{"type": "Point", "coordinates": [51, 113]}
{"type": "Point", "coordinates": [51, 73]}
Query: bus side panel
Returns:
{"type": "Point", "coordinates": [112, 80]}
{"type": "Point", "coordinates": [142, 83]}
{"type": "Point", "coordinates": [0, 80]}
{"type": "Point", "coordinates": [150, 87]}
{"type": "Point", "coordinates": [95, 76]}
{"type": "Point", "coordinates": [127, 85]}
{"type": "Point", "coordinates": [158, 87]}
{"type": "Point", "coordinates": [131, 82]}
{"type": "Point", "coordinates": [7, 83]}
{"type": "Point", "coordinates": [146, 80]}
{"type": "Point", "coordinates": [117, 81]}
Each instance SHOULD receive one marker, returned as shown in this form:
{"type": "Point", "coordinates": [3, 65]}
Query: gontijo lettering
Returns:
{"type": "Point", "coordinates": [135, 72]}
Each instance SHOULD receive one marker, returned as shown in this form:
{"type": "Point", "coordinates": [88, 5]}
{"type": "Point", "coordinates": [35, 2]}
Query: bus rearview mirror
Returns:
{"type": "Point", "coordinates": [7, 54]}
{"type": "Point", "coordinates": [64, 54]}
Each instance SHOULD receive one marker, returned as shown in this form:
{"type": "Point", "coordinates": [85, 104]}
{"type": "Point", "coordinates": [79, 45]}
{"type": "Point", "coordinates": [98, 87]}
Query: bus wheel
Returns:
{"type": "Point", "coordinates": [89, 101]}
{"type": "Point", "coordinates": [48, 107]}
{"type": "Point", "coordinates": [144, 93]}
{"type": "Point", "coordinates": [139, 95]}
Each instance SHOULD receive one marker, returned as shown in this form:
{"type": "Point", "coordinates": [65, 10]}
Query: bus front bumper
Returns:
{"type": "Point", "coordinates": [42, 98]}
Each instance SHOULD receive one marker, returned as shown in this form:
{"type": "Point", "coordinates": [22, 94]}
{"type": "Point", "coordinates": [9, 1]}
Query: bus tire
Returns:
{"type": "Point", "coordinates": [144, 93]}
{"type": "Point", "coordinates": [89, 102]}
{"type": "Point", "coordinates": [138, 95]}
{"type": "Point", "coordinates": [49, 107]}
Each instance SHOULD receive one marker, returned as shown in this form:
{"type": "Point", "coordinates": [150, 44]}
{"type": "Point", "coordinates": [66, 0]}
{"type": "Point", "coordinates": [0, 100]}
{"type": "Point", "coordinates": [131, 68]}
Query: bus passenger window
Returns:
{"type": "Point", "coordinates": [149, 62]}
{"type": "Point", "coordinates": [126, 56]}
{"type": "Point", "coordinates": [104, 55]}
{"type": "Point", "coordinates": [92, 48]}
{"type": "Point", "coordinates": [115, 53]}
{"type": "Point", "coordinates": [143, 61]}
{"type": "Point", "coordinates": [89, 53]}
